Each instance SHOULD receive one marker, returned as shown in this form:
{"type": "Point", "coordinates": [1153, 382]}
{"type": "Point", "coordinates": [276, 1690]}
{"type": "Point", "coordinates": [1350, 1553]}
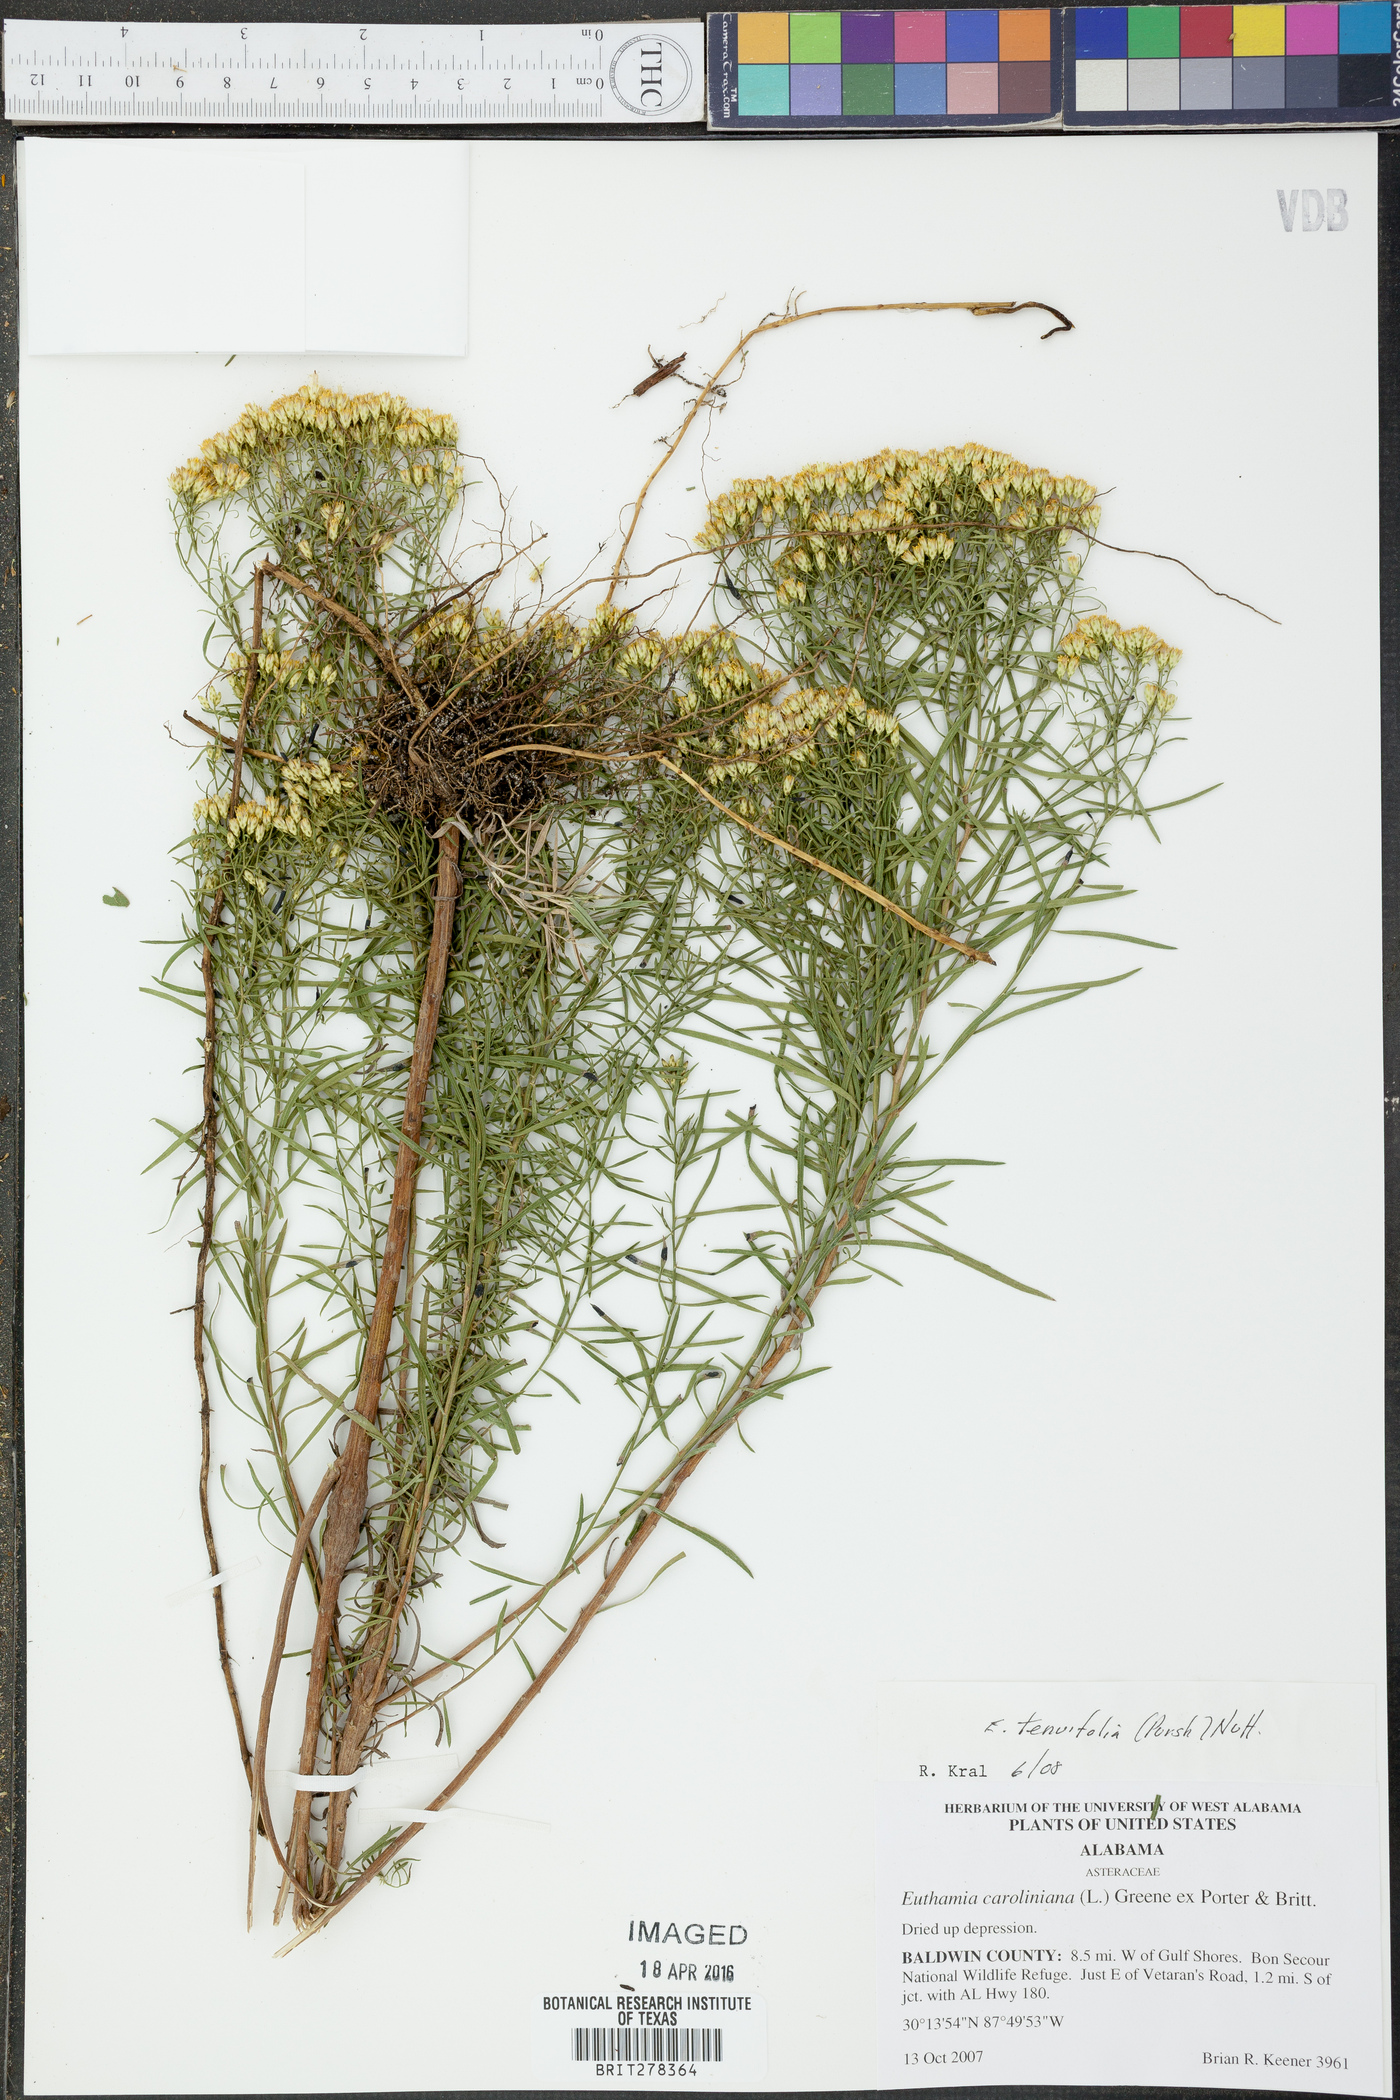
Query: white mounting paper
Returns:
{"type": "Point", "coordinates": [1172, 1468]}
{"type": "Point", "coordinates": [322, 246]}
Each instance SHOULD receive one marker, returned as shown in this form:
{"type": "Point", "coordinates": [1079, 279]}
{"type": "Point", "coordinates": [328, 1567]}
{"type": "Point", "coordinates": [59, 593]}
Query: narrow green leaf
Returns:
{"type": "Point", "coordinates": [1101, 933]}
{"type": "Point", "coordinates": [718, 1544]}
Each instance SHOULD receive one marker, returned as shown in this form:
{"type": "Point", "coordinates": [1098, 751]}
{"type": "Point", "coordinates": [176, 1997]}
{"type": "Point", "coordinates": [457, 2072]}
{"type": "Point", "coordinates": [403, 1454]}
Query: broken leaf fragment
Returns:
{"type": "Point", "coordinates": [117, 897]}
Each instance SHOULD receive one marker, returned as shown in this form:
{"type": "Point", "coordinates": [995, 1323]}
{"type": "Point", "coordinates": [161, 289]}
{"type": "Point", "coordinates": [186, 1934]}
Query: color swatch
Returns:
{"type": "Point", "coordinates": [1265, 63]}
{"type": "Point", "coordinates": [979, 66]}
{"type": "Point", "coordinates": [1303, 62]}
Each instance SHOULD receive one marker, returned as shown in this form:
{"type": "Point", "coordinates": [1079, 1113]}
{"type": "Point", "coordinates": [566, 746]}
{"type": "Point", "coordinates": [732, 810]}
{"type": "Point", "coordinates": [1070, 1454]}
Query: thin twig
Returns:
{"type": "Point", "coordinates": [852, 882]}
{"type": "Point", "coordinates": [980, 308]}
{"type": "Point", "coordinates": [1152, 555]}
{"type": "Point", "coordinates": [206, 1226]}
{"type": "Point", "coordinates": [664, 369]}
{"type": "Point", "coordinates": [352, 621]}
{"type": "Point", "coordinates": [230, 743]}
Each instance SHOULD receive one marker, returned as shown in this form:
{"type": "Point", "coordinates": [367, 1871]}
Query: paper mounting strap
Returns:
{"type": "Point", "coordinates": [342, 1782]}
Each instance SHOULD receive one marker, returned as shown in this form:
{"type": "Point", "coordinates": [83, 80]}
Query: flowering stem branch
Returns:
{"type": "Point", "coordinates": [210, 1135]}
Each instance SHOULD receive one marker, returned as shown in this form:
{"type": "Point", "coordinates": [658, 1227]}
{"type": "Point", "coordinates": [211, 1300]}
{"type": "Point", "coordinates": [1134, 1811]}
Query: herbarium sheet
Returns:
{"type": "Point", "coordinates": [712, 970]}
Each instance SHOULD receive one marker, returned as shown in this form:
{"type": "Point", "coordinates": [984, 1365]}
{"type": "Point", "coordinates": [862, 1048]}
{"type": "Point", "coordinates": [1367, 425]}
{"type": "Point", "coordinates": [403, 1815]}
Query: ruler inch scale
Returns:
{"type": "Point", "coordinates": [269, 73]}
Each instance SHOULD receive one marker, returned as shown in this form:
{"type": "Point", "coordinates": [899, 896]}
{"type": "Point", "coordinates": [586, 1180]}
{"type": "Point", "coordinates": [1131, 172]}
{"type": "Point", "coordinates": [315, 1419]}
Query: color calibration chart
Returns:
{"type": "Point", "coordinates": [1205, 62]}
{"type": "Point", "coordinates": [850, 71]}
{"type": "Point", "coordinates": [1300, 62]}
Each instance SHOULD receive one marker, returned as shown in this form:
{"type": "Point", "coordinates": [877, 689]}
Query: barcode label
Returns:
{"type": "Point", "coordinates": [647, 2033]}
{"type": "Point", "coordinates": [648, 2045]}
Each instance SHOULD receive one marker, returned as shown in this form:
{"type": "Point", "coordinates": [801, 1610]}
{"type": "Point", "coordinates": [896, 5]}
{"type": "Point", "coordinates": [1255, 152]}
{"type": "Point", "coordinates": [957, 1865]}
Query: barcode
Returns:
{"type": "Point", "coordinates": [647, 2045]}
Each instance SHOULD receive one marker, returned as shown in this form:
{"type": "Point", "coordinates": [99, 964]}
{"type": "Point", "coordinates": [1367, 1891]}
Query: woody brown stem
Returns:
{"type": "Point", "coordinates": [382, 1858]}
{"type": "Point", "coordinates": [347, 1504]}
{"type": "Point", "coordinates": [797, 1317]}
{"type": "Point", "coordinates": [391, 1596]}
{"type": "Point", "coordinates": [210, 1137]}
{"type": "Point", "coordinates": [262, 1814]}
{"type": "Point", "coordinates": [390, 1599]}
{"type": "Point", "coordinates": [392, 1589]}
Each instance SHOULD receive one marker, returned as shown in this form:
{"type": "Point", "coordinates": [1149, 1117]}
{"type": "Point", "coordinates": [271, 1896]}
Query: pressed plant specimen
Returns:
{"type": "Point", "coordinates": [475, 891]}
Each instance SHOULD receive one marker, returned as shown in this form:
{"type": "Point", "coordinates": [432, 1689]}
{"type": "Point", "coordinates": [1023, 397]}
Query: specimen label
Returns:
{"type": "Point", "coordinates": [1137, 1884]}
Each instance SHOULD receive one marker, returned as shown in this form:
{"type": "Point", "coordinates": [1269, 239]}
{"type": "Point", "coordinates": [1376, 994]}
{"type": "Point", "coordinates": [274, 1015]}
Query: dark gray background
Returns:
{"type": "Point", "coordinates": [12, 1636]}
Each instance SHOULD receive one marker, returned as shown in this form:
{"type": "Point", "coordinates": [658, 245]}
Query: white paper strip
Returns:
{"type": "Point", "coordinates": [446, 1815]}
{"type": "Point", "coordinates": [320, 246]}
{"type": "Point", "coordinates": [393, 1811]}
{"type": "Point", "coordinates": [207, 1584]}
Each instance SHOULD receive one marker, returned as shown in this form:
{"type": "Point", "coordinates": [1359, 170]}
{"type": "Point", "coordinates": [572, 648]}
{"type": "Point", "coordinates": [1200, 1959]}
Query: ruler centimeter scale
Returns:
{"type": "Point", "coordinates": [340, 73]}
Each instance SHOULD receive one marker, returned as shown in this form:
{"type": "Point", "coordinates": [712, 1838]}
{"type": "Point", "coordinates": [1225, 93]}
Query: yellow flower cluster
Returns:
{"type": "Point", "coordinates": [1097, 635]}
{"type": "Point", "coordinates": [643, 655]}
{"type": "Point", "coordinates": [449, 625]}
{"type": "Point", "coordinates": [225, 462]}
{"type": "Point", "coordinates": [906, 504]}
{"type": "Point", "coordinates": [788, 730]}
{"type": "Point", "coordinates": [703, 664]}
{"type": "Point", "coordinates": [484, 637]}
{"type": "Point", "coordinates": [424, 473]}
{"type": "Point", "coordinates": [713, 668]}
{"type": "Point", "coordinates": [280, 667]}
{"type": "Point", "coordinates": [609, 625]}
{"type": "Point", "coordinates": [308, 784]}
